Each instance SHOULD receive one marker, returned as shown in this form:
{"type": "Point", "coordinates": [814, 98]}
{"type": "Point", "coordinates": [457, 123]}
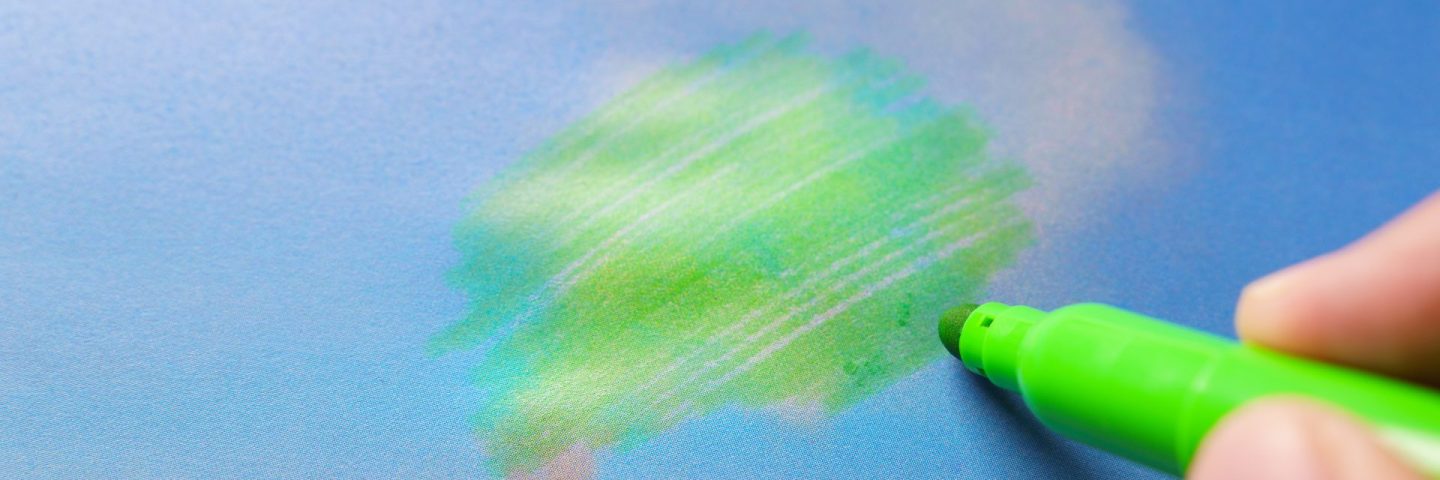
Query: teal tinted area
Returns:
{"type": "Point", "coordinates": [762, 226]}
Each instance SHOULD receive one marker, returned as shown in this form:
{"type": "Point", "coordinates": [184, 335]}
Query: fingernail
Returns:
{"type": "Point", "coordinates": [1269, 286]}
{"type": "Point", "coordinates": [1256, 311]}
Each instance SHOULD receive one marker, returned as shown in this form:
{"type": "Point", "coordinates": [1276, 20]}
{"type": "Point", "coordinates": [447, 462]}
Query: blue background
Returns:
{"type": "Point", "coordinates": [224, 229]}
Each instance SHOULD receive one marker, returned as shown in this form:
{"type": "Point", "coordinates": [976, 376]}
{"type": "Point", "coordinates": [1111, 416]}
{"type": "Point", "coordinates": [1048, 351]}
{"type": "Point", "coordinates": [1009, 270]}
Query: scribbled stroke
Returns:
{"type": "Point", "coordinates": [762, 226]}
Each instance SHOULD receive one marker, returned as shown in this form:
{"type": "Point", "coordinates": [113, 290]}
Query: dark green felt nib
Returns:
{"type": "Point", "coordinates": [951, 322]}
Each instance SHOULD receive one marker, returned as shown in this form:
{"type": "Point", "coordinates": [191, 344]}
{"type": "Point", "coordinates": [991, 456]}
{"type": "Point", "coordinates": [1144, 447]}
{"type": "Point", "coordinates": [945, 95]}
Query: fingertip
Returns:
{"type": "Point", "coordinates": [1279, 310]}
{"type": "Point", "coordinates": [1279, 438]}
{"type": "Point", "coordinates": [1259, 430]}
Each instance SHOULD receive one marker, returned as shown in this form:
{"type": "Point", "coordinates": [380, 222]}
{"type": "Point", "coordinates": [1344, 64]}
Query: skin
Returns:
{"type": "Point", "coordinates": [1374, 304]}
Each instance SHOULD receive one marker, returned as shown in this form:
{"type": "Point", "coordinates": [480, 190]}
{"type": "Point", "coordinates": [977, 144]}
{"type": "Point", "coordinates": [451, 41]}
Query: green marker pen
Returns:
{"type": "Point", "coordinates": [1150, 390]}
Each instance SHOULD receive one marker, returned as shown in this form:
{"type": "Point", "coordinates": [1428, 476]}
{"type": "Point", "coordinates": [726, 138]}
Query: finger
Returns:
{"type": "Point", "coordinates": [1290, 438]}
{"type": "Point", "coordinates": [1374, 304]}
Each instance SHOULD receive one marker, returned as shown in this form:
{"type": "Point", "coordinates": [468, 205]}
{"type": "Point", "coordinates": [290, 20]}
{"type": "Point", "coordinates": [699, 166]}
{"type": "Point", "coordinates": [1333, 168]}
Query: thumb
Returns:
{"type": "Point", "coordinates": [1287, 438]}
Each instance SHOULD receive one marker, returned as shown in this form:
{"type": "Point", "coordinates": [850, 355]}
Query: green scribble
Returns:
{"type": "Point", "coordinates": [764, 225]}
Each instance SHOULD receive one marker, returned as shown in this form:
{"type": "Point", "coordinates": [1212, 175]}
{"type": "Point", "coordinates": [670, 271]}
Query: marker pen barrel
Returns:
{"type": "Point", "coordinates": [1150, 390]}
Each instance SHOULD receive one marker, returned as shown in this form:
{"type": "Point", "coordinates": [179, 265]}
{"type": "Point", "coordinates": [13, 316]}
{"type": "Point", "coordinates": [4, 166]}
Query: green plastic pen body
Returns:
{"type": "Point", "coordinates": [1150, 390]}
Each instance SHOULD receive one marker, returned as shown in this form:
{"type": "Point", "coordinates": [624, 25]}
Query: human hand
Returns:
{"type": "Point", "coordinates": [1374, 305]}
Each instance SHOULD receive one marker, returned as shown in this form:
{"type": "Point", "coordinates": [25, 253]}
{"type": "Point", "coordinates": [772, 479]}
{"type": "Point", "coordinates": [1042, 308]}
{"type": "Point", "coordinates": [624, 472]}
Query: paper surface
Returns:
{"type": "Point", "coordinates": [254, 239]}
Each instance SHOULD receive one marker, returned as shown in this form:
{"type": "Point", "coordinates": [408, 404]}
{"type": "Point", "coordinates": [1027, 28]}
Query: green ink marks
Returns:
{"type": "Point", "coordinates": [763, 226]}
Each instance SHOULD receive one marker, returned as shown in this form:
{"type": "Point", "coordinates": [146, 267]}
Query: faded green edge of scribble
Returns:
{"type": "Point", "coordinates": [763, 225]}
